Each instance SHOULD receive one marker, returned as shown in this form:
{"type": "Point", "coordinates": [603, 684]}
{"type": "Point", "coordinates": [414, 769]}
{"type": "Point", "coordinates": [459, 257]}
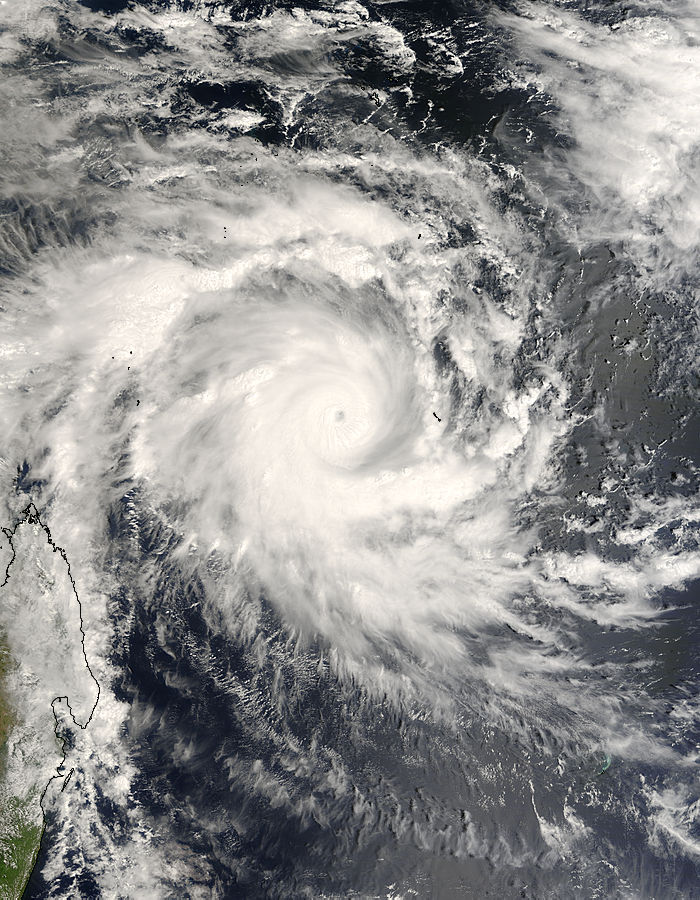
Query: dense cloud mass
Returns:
{"type": "Point", "coordinates": [350, 353]}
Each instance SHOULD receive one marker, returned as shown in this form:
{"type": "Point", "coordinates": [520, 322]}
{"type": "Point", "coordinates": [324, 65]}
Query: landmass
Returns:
{"type": "Point", "coordinates": [46, 684]}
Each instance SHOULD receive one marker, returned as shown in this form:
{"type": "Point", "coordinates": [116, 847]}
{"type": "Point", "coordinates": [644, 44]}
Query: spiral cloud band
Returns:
{"type": "Point", "coordinates": [326, 475]}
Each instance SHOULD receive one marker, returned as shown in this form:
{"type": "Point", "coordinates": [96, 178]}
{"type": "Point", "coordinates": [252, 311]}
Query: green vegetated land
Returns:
{"type": "Point", "coordinates": [19, 834]}
{"type": "Point", "coordinates": [19, 845]}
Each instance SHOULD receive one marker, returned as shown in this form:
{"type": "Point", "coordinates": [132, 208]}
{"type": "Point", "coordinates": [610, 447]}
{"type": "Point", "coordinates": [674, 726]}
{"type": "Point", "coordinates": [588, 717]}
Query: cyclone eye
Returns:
{"type": "Point", "coordinates": [340, 415]}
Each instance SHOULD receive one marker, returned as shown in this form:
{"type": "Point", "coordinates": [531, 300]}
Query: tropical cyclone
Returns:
{"type": "Point", "coordinates": [47, 683]}
{"type": "Point", "coordinates": [332, 474]}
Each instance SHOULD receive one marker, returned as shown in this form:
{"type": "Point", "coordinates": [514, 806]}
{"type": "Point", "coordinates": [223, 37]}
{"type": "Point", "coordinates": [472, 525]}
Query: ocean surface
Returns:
{"type": "Point", "coordinates": [350, 352]}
